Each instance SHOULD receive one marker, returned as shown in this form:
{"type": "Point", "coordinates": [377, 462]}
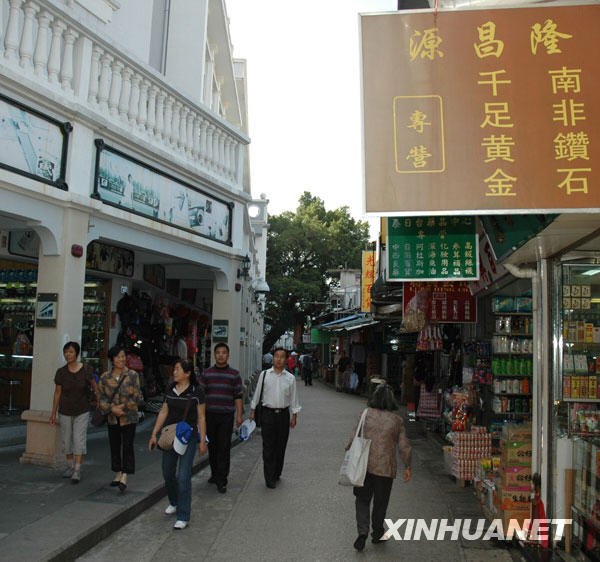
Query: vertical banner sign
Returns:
{"type": "Point", "coordinates": [432, 248]}
{"type": "Point", "coordinates": [368, 278]}
{"type": "Point", "coordinates": [472, 110]}
{"type": "Point", "coordinates": [449, 302]}
{"type": "Point", "coordinates": [490, 270]}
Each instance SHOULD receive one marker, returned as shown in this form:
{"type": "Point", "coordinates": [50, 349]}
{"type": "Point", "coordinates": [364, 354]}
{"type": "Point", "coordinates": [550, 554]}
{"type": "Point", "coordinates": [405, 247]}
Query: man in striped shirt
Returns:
{"type": "Point", "coordinates": [224, 390]}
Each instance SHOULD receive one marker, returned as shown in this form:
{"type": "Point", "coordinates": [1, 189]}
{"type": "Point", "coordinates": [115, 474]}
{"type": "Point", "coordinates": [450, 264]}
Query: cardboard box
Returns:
{"type": "Point", "coordinates": [515, 476]}
{"type": "Point", "coordinates": [516, 431]}
{"type": "Point", "coordinates": [515, 453]}
{"type": "Point", "coordinates": [507, 514]}
{"type": "Point", "coordinates": [517, 498]}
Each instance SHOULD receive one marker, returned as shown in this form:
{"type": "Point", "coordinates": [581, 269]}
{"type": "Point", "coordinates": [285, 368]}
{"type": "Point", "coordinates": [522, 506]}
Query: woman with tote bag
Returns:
{"type": "Point", "coordinates": [386, 431]}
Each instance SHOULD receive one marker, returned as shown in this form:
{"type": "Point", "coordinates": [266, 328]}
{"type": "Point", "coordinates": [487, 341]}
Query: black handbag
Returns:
{"type": "Point", "coordinates": [98, 418]}
{"type": "Point", "coordinates": [258, 409]}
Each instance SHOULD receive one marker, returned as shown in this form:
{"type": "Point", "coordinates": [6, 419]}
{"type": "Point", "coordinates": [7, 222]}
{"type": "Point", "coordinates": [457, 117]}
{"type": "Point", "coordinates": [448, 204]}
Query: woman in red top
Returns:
{"type": "Point", "coordinates": [291, 363]}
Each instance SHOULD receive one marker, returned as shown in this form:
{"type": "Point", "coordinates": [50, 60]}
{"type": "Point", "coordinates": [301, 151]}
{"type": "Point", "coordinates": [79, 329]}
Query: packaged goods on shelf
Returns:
{"type": "Point", "coordinates": [516, 431]}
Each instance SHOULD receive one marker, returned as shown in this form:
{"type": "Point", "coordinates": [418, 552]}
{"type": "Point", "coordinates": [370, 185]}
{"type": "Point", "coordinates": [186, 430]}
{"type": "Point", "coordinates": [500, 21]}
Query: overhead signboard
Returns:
{"type": "Point", "coordinates": [446, 302]}
{"type": "Point", "coordinates": [432, 248]}
{"type": "Point", "coordinates": [481, 111]}
{"type": "Point", "coordinates": [490, 270]}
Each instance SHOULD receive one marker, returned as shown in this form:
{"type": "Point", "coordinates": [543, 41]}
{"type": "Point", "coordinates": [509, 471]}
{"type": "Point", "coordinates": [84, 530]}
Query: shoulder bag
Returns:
{"type": "Point", "coordinates": [354, 467]}
{"type": "Point", "coordinates": [167, 434]}
{"type": "Point", "coordinates": [258, 408]}
{"type": "Point", "coordinates": [98, 418]}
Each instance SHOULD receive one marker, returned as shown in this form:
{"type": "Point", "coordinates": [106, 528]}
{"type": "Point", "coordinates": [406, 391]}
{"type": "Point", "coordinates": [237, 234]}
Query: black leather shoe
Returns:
{"type": "Point", "coordinates": [221, 489]}
{"type": "Point", "coordinates": [114, 483]}
{"type": "Point", "coordinates": [359, 543]}
{"type": "Point", "coordinates": [122, 486]}
{"type": "Point", "coordinates": [212, 480]}
{"type": "Point", "coordinates": [376, 539]}
{"type": "Point", "coordinates": [271, 485]}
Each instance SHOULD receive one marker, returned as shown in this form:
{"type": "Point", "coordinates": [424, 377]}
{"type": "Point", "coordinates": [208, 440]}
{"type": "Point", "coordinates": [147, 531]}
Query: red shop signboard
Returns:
{"type": "Point", "coordinates": [446, 302]}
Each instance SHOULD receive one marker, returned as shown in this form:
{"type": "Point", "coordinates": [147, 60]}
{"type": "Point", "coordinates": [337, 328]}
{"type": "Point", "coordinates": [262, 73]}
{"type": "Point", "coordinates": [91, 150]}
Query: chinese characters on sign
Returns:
{"type": "Point", "coordinates": [368, 278]}
{"type": "Point", "coordinates": [450, 301]}
{"type": "Point", "coordinates": [433, 248]}
{"type": "Point", "coordinates": [487, 110]}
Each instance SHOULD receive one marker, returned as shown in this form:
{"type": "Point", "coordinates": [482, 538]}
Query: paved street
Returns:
{"type": "Point", "coordinates": [309, 516]}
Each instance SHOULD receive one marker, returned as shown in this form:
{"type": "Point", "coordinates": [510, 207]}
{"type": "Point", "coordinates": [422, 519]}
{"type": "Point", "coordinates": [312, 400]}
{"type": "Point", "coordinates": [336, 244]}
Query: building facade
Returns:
{"type": "Point", "coordinates": [123, 177]}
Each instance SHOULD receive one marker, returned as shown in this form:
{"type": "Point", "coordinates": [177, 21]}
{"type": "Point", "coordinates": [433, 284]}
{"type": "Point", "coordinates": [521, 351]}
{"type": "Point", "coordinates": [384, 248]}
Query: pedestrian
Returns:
{"type": "Point", "coordinates": [184, 401]}
{"type": "Point", "coordinates": [279, 398]}
{"type": "Point", "coordinates": [119, 396]}
{"type": "Point", "coordinates": [291, 363]}
{"type": "Point", "coordinates": [74, 394]}
{"type": "Point", "coordinates": [223, 389]}
{"type": "Point", "coordinates": [267, 360]}
{"type": "Point", "coordinates": [386, 431]}
{"type": "Point", "coordinates": [306, 361]}
{"type": "Point", "coordinates": [181, 348]}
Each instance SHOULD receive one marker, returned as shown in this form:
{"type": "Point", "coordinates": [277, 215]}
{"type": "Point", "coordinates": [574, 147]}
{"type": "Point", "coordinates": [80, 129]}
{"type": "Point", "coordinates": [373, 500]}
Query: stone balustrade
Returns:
{"type": "Point", "coordinates": [40, 41]}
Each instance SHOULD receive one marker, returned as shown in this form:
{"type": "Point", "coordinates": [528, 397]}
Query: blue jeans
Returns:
{"type": "Point", "coordinates": [179, 486]}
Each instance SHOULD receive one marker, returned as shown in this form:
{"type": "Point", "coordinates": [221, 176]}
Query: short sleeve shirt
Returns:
{"type": "Point", "coordinates": [76, 390]}
{"type": "Point", "coordinates": [194, 396]}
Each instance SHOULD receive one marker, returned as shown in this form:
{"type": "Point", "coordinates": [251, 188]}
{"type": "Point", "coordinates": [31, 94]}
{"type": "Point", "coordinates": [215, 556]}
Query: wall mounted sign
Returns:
{"type": "Point", "coordinates": [33, 144]}
{"type": "Point", "coordinates": [46, 310]}
{"type": "Point", "coordinates": [220, 331]}
{"type": "Point", "coordinates": [155, 275]}
{"type": "Point", "coordinates": [368, 278]}
{"type": "Point", "coordinates": [432, 248]}
{"type": "Point", "coordinates": [490, 270]}
{"type": "Point", "coordinates": [24, 243]}
{"type": "Point", "coordinates": [447, 302]}
{"type": "Point", "coordinates": [472, 110]}
{"type": "Point", "coordinates": [125, 182]}
{"type": "Point", "coordinates": [109, 259]}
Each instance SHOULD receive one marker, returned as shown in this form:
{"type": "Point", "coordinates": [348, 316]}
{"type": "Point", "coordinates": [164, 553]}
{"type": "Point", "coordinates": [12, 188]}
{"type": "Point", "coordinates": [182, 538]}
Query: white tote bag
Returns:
{"type": "Point", "coordinates": [354, 467]}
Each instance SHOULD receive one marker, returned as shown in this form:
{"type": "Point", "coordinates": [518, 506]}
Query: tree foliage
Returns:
{"type": "Point", "coordinates": [301, 247]}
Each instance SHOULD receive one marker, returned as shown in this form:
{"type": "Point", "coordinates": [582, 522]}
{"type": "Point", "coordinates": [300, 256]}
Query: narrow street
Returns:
{"type": "Point", "coordinates": [309, 516]}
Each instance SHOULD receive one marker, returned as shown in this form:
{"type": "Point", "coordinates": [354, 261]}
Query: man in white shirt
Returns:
{"type": "Point", "coordinates": [279, 400]}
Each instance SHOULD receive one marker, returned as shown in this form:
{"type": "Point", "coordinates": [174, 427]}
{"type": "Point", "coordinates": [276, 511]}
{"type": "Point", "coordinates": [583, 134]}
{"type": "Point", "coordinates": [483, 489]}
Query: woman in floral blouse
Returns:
{"type": "Point", "coordinates": [122, 413]}
{"type": "Point", "coordinates": [386, 431]}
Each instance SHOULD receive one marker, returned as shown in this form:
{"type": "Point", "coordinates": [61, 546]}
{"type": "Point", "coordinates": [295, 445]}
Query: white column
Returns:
{"type": "Point", "coordinates": [227, 306]}
{"type": "Point", "coordinates": [134, 98]}
{"type": "Point", "coordinates": [189, 136]}
{"type": "Point", "coordinates": [66, 74]}
{"type": "Point", "coordinates": [182, 137]}
{"type": "Point", "coordinates": [54, 58]}
{"type": "Point", "coordinates": [142, 117]}
{"type": "Point", "coordinates": [27, 40]}
{"type": "Point", "coordinates": [151, 124]}
{"type": "Point", "coordinates": [11, 39]}
{"type": "Point", "coordinates": [168, 119]}
{"type": "Point", "coordinates": [160, 114]}
{"type": "Point", "coordinates": [196, 137]}
{"type": "Point", "coordinates": [115, 87]}
{"type": "Point", "coordinates": [209, 145]}
{"type": "Point", "coordinates": [202, 147]}
{"type": "Point", "coordinates": [104, 86]}
{"type": "Point", "coordinates": [64, 275]}
{"type": "Point", "coordinates": [125, 93]}
{"type": "Point", "coordinates": [216, 157]}
{"type": "Point", "coordinates": [40, 56]}
{"type": "Point", "coordinates": [94, 74]}
{"type": "Point", "coordinates": [175, 125]}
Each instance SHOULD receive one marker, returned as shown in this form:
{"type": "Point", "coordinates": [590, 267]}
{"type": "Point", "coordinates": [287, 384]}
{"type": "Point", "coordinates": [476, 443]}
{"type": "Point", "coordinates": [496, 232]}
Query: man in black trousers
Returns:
{"type": "Point", "coordinates": [280, 408]}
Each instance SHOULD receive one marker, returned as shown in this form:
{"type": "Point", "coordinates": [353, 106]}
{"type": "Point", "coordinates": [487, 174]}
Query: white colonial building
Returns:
{"type": "Point", "coordinates": [124, 192]}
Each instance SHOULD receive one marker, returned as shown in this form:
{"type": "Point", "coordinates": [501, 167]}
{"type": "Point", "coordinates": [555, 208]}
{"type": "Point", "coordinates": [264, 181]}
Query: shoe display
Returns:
{"type": "Point", "coordinates": [221, 489]}
{"type": "Point", "coordinates": [76, 477]}
{"type": "Point", "coordinates": [170, 509]}
{"type": "Point", "coordinates": [68, 472]}
{"type": "Point", "coordinates": [180, 525]}
{"type": "Point", "coordinates": [359, 543]}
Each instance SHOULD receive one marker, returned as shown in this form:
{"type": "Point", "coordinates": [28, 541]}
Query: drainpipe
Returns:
{"type": "Point", "coordinates": [541, 436]}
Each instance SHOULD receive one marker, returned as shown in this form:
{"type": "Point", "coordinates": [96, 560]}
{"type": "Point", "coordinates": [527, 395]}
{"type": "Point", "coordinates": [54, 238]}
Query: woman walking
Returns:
{"type": "Point", "coordinates": [74, 395]}
{"type": "Point", "coordinates": [386, 431]}
{"type": "Point", "coordinates": [119, 396]}
{"type": "Point", "coordinates": [184, 402]}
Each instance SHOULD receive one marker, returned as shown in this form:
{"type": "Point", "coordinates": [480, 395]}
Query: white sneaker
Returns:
{"type": "Point", "coordinates": [171, 509]}
{"type": "Point", "coordinates": [180, 525]}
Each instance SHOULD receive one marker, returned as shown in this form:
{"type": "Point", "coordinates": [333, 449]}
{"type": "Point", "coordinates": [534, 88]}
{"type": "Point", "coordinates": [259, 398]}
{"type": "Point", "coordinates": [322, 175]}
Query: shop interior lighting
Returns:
{"type": "Point", "coordinates": [594, 271]}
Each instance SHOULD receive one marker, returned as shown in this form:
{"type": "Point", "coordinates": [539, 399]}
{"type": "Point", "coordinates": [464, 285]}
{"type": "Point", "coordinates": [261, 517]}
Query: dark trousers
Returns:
{"type": "Point", "coordinates": [376, 488]}
{"type": "Point", "coordinates": [275, 432]}
{"type": "Point", "coordinates": [219, 428]}
{"type": "Point", "coordinates": [307, 375]}
{"type": "Point", "coordinates": [120, 437]}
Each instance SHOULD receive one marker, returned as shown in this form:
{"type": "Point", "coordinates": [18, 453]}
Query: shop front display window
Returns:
{"type": "Point", "coordinates": [94, 328]}
{"type": "Point", "coordinates": [576, 393]}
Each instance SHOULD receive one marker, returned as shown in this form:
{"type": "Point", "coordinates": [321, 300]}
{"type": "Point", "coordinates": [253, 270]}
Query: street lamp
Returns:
{"type": "Point", "coordinates": [243, 272]}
